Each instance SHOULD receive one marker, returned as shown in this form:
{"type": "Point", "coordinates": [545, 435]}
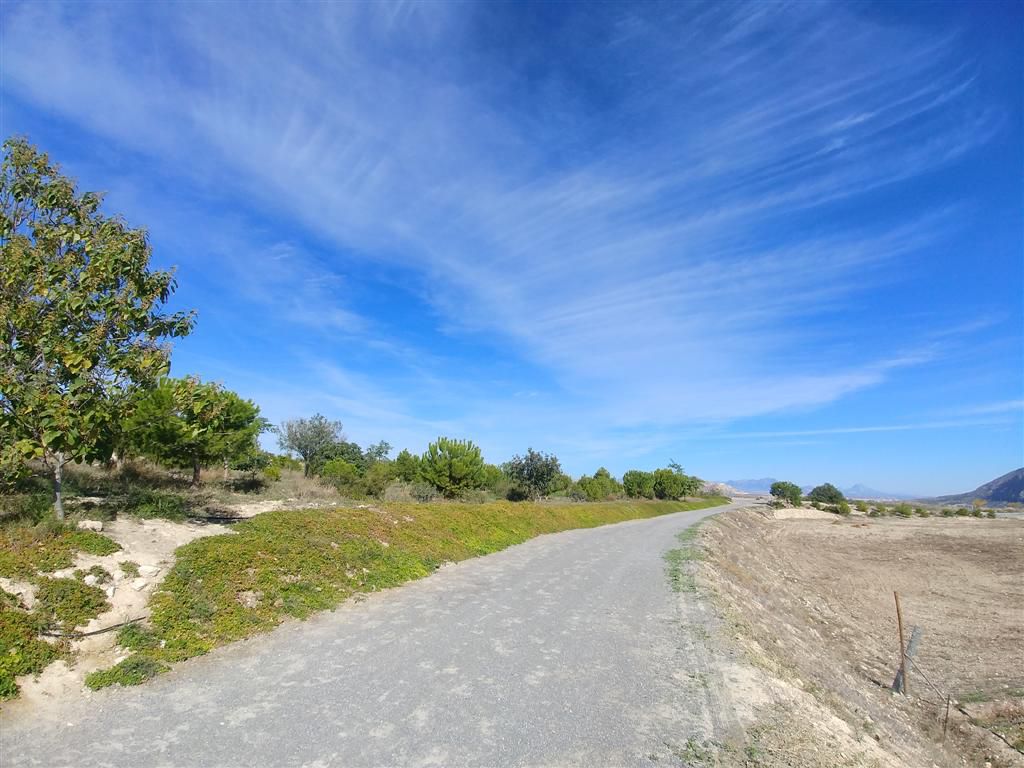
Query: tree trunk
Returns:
{"type": "Point", "coordinates": [305, 469]}
{"type": "Point", "coordinates": [195, 472]}
{"type": "Point", "coordinates": [58, 481]}
{"type": "Point", "coordinates": [226, 476]}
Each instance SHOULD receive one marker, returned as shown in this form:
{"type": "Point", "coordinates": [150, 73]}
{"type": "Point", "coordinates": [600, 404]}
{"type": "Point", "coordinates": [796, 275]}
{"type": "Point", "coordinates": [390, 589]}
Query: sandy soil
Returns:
{"type": "Point", "coordinates": [150, 544]}
{"type": "Point", "coordinates": [810, 599]}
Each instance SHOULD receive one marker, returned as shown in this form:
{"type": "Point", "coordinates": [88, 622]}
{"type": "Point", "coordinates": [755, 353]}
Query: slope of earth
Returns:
{"type": "Point", "coordinates": [810, 597]}
{"type": "Point", "coordinates": [1005, 489]}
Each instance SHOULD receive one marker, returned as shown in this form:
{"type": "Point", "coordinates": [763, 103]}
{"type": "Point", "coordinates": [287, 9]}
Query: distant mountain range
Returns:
{"type": "Point", "coordinates": [1007, 489]}
{"type": "Point", "coordinates": [857, 491]}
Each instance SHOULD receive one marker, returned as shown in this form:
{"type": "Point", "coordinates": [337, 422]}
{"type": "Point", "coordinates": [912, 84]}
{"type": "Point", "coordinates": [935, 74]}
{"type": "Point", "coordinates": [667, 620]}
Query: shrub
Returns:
{"type": "Point", "coordinates": [535, 473]}
{"type": "Point", "coordinates": [903, 510]}
{"type": "Point", "coordinates": [102, 577]}
{"type": "Point", "coordinates": [817, 505]}
{"type": "Point", "coordinates": [341, 474]}
{"type": "Point", "coordinates": [991, 513]}
{"type": "Point", "coordinates": [136, 638]}
{"type": "Point", "coordinates": [601, 487]}
{"type": "Point", "coordinates": [21, 650]}
{"type": "Point", "coordinates": [407, 467]}
{"type": "Point", "coordinates": [638, 484]}
{"type": "Point", "coordinates": [272, 474]}
{"type": "Point", "coordinates": [423, 492]}
{"type": "Point", "coordinates": [378, 477]}
{"type": "Point", "coordinates": [134, 670]}
{"type": "Point", "coordinates": [787, 492]}
{"type": "Point", "coordinates": [922, 512]}
{"type": "Point", "coordinates": [25, 508]}
{"type": "Point", "coordinates": [874, 513]}
{"type": "Point", "coordinates": [69, 602]}
{"type": "Point", "coordinates": [976, 512]}
{"type": "Point", "coordinates": [453, 466]}
{"type": "Point", "coordinates": [129, 568]}
{"type": "Point", "coordinates": [862, 506]}
{"type": "Point", "coordinates": [842, 508]}
{"type": "Point", "coordinates": [149, 504]}
{"type": "Point", "coordinates": [963, 512]}
{"type": "Point", "coordinates": [882, 510]}
{"type": "Point", "coordinates": [948, 512]}
{"type": "Point", "coordinates": [826, 493]}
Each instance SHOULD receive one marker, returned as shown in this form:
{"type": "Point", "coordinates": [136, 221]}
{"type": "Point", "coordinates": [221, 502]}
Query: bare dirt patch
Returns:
{"type": "Point", "coordinates": [810, 598]}
{"type": "Point", "coordinates": [148, 544]}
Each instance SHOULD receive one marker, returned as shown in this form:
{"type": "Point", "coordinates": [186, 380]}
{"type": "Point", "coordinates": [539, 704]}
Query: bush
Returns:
{"type": "Point", "coordinates": [638, 484]}
{"type": "Point", "coordinates": [136, 638]}
{"type": "Point", "coordinates": [378, 477]}
{"type": "Point", "coordinates": [882, 510]}
{"type": "Point", "coordinates": [129, 568]}
{"type": "Point", "coordinates": [991, 513]}
{"type": "Point", "coordinates": [874, 513]}
{"type": "Point", "coordinates": [535, 473]}
{"type": "Point", "coordinates": [102, 577]}
{"type": "Point", "coordinates": [862, 506]}
{"type": "Point", "coordinates": [21, 650]}
{"type": "Point", "coordinates": [963, 512]}
{"type": "Point", "coordinates": [903, 510]}
{"type": "Point", "coordinates": [787, 492]}
{"type": "Point", "coordinates": [423, 492]}
{"type": "Point", "coordinates": [272, 474]}
{"type": "Point", "coordinates": [601, 487]}
{"type": "Point", "coordinates": [922, 512]}
{"type": "Point", "coordinates": [134, 670]}
{"type": "Point", "coordinates": [149, 504]}
{"type": "Point", "coordinates": [947, 512]}
{"type": "Point", "coordinates": [826, 493]}
{"type": "Point", "coordinates": [976, 512]}
{"type": "Point", "coordinates": [25, 508]}
{"type": "Point", "coordinates": [842, 508]}
{"type": "Point", "coordinates": [453, 466]}
{"type": "Point", "coordinates": [342, 474]}
{"type": "Point", "coordinates": [68, 602]}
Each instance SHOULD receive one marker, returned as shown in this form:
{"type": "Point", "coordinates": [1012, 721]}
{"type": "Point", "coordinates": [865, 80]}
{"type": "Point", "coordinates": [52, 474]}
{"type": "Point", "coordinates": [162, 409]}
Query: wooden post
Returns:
{"type": "Point", "coordinates": [903, 647]}
{"type": "Point", "coordinates": [945, 721]}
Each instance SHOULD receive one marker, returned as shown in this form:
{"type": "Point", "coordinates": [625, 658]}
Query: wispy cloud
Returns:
{"type": "Point", "coordinates": [682, 244]}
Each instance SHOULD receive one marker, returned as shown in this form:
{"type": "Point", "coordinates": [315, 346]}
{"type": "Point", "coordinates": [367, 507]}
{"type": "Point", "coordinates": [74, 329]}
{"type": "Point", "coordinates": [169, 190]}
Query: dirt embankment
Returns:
{"type": "Point", "coordinates": [810, 599]}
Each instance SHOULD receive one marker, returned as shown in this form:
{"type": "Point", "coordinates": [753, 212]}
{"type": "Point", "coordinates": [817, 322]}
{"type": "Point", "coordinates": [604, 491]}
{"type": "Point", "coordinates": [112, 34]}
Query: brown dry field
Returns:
{"type": "Point", "coordinates": [809, 596]}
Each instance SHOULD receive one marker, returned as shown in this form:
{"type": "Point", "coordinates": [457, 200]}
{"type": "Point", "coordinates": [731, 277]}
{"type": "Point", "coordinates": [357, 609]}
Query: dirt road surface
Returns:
{"type": "Point", "coordinates": [570, 649]}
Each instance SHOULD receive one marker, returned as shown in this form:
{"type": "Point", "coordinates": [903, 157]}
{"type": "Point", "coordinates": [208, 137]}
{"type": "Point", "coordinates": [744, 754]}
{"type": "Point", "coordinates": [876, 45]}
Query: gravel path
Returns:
{"type": "Point", "coordinates": [570, 649]}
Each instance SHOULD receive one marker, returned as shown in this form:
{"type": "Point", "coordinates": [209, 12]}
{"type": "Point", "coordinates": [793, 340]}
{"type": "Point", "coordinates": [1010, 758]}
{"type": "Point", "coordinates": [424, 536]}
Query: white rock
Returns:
{"type": "Point", "coordinates": [148, 570]}
{"type": "Point", "coordinates": [110, 590]}
{"type": "Point", "coordinates": [118, 575]}
{"type": "Point", "coordinates": [91, 580]}
{"type": "Point", "coordinates": [139, 584]}
{"type": "Point", "coordinates": [90, 525]}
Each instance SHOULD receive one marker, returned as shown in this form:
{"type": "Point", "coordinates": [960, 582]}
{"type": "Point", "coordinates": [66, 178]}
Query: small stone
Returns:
{"type": "Point", "coordinates": [148, 570]}
{"type": "Point", "coordinates": [118, 575]}
{"type": "Point", "coordinates": [90, 525]}
{"type": "Point", "coordinates": [139, 584]}
{"type": "Point", "coordinates": [91, 580]}
{"type": "Point", "coordinates": [110, 590]}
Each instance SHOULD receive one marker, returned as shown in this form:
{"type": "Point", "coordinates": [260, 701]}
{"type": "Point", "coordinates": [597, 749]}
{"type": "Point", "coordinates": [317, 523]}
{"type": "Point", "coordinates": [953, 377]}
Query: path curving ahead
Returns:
{"type": "Point", "coordinates": [569, 649]}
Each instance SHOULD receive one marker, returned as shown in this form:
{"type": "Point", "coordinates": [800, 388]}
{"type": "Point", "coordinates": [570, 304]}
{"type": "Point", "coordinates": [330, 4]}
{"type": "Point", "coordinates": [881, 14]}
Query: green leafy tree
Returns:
{"type": "Point", "coordinates": [342, 474]}
{"type": "Point", "coordinates": [312, 439]}
{"type": "Point", "coordinates": [189, 424]}
{"type": "Point", "coordinates": [453, 466]}
{"type": "Point", "coordinates": [80, 316]}
{"type": "Point", "coordinates": [638, 484]}
{"type": "Point", "coordinates": [826, 493]}
{"type": "Point", "coordinates": [377, 452]}
{"type": "Point", "coordinates": [407, 466]}
{"type": "Point", "coordinates": [674, 483]}
{"type": "Point", "coordinates": [787, 492]}
{"type": "Point", "coordinates": [534, 474]}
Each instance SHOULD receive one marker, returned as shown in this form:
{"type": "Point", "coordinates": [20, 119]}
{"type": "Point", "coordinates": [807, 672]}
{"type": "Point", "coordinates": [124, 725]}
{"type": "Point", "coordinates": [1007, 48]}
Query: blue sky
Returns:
{"type": "Point", "coordinates": [756, 239]}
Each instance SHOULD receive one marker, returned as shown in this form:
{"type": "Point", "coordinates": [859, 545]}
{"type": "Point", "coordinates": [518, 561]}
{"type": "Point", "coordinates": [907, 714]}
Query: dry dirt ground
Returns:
{"type": "Point", "coordinates": [150, 544]}
{"type": "Point", "coordinates": [809, 597]}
